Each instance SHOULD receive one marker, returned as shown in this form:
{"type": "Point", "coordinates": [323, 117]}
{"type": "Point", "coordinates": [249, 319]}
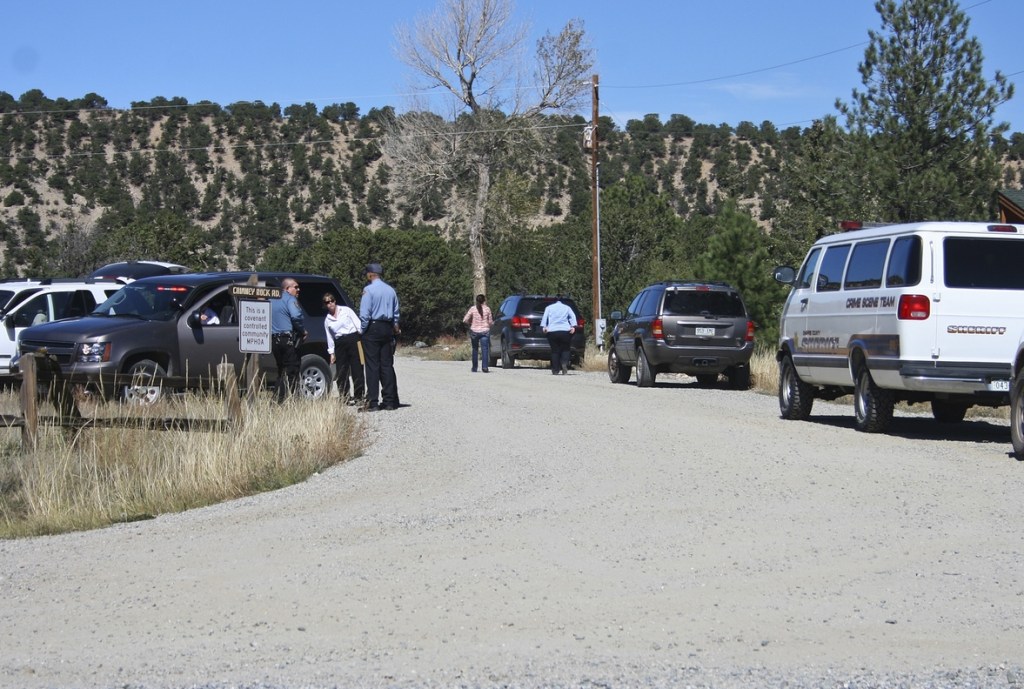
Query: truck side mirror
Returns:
{"type": "Point", "coordinates": [785, 275]}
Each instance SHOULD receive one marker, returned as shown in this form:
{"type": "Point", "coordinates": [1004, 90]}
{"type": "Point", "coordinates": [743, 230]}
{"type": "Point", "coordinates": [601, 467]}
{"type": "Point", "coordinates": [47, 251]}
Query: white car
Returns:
{"type": "Point", "coordinates": [32, 302]}
{"type": "Point", "coordinates": [922, 312]}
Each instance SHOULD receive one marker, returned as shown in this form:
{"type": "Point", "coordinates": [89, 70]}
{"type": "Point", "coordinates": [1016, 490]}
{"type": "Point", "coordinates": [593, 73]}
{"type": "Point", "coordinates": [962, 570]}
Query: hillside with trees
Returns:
{"type": "Point", "coordinates": [250, 185]}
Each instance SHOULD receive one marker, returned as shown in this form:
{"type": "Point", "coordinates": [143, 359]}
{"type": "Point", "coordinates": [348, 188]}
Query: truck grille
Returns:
{"type": "Point", "coordinates": [63, 351]}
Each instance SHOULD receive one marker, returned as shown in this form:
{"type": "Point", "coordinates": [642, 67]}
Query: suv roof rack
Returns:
{"type": "Point", "coordinates": [692, 281]}
{"type": "Point", "coordinates": [88, 281]}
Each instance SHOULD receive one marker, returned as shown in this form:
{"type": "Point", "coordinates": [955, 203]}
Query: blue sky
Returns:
{"type": "Point", "coordinates": [727, 61]}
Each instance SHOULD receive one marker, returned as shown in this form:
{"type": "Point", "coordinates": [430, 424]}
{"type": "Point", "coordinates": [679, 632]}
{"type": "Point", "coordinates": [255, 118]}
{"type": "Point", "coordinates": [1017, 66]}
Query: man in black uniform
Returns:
{"type": "Point", "coordinates": [287, 329]}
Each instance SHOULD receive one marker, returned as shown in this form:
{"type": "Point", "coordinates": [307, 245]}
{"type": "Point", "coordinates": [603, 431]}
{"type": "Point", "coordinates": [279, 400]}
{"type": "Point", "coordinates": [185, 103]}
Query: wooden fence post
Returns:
{"type": "Point", "coordinates": [29, 404]}
{"type": "Point", "coordinates": [232, 399]}
{"type": "Point", "coordinates": [253, 379]}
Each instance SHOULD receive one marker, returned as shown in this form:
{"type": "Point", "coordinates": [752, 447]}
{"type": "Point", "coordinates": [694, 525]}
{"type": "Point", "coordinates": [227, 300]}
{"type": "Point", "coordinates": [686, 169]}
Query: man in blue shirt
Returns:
{"type": "Point", "coordinates": [559, 323]}
{"type": "Point", "coordinates": [378, 315]}
{"type": "Point", "coordinates": [287, 329]}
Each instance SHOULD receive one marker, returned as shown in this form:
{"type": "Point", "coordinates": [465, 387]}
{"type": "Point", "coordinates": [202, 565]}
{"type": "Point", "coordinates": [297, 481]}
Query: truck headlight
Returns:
{"type": "Point", "coordinates": [93, 353]}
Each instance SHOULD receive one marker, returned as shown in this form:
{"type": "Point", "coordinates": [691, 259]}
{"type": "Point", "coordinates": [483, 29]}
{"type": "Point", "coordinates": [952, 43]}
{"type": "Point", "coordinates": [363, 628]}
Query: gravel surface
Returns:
{"type": "Point", "coordinates": [519, 529]}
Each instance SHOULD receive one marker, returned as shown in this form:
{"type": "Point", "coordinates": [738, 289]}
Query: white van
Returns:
{"type": "Point", "coordinates": [921, 312]}
{"type": "Point", "coordinates": [32, 302]}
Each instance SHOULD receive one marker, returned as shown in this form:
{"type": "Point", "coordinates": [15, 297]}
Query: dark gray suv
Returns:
{"type": "Point", "coordinates": [698, 328]}
{"type": "Point", "coordinates": [153, 327]}
{"type": "Point", "coordinates": [516, 332]}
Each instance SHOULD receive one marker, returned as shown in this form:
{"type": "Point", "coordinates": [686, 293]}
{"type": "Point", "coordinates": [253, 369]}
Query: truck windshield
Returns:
{"type": "Point", "coordinates": [153, 302]}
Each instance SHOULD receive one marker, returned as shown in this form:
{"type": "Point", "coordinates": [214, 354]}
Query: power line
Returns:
{"type": "Point", "coordinates": [739, 74]}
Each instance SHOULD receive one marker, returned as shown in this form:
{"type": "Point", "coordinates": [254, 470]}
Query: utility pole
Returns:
{"type": "Point", "coordinates": [596, 214]}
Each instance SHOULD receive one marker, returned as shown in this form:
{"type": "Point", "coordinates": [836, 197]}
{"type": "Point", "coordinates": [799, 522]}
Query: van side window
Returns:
{"type": "Point", "coordinates": [831, 274]}
{"type": "Point", "coordinates": [804, 281]}
{"type": "Point", "coordinates": [984, 263]}
{"type": "Point", "coordinates": [904, 263]}
{"type": "Point", "coordinates": [866, 265]}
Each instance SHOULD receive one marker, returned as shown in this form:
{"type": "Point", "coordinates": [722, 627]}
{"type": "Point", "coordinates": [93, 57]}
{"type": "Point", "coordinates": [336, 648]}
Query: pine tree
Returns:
{"type": "Point", "coordinates": [927, 112]}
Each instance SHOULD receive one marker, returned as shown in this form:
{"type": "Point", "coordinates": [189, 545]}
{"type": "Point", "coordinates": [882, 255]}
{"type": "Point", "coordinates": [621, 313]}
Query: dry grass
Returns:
{"type": "Point", "coordinates": [764, 371]}
{"type": "Point", "coordinates": [93, 477]}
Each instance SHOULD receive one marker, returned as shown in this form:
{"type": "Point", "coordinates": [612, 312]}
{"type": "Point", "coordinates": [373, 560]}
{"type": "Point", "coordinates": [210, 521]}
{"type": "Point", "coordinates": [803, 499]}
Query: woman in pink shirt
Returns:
{"type": "Point", "coordinates": [479, 320]}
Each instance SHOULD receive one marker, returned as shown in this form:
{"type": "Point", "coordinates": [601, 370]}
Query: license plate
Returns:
{"type": "Point", "coordinates": [705, 332]}
{"type": "Point", "coordinates": [999, 386]}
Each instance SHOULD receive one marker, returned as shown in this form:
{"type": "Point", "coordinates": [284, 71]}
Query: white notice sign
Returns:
{"type": "Point", "coordinates": [254, 326]}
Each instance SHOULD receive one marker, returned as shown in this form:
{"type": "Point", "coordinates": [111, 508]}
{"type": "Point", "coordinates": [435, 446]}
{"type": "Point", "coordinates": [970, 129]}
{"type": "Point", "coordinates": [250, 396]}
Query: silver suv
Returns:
{"type": "Point", "coordinates": [683, 326]}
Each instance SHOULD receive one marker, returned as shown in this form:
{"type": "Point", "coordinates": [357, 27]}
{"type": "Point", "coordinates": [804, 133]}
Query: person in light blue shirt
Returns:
{"type": "Point", "coordinates": [559, 324]}
{"type": "Point", "coordinates": [287, 328]}
{"type": "Point", "coordinates": [379, 316]}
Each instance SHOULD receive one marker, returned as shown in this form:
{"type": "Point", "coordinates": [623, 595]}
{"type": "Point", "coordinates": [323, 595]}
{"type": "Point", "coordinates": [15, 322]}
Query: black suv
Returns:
{"type": "Point", "coordinates": [683, 326]}
{"type": "Point", "coordinates": [153, 326]}
{"type": "Point", "coordinates": [516, 332]}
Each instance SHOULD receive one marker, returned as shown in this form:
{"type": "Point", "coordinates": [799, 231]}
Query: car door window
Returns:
{"type": "Point", "coordinates": [831, 274]}
{"type": "Point", "coordinates": [634, 307]}
{"type": "Point", "coordinates": [33, 312]}
{"type": "Point", "coordinates": [649, 305]}
{"type": "Point", "coordinates": [807, 272]}
{"type": "Point", "coordinates": [72, 304]}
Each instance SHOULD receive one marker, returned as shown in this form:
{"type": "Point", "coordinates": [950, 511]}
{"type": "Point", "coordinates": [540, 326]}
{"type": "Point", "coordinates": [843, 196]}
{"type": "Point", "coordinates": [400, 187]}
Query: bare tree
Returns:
{"type": "Point", "coordinates": [471, 51]}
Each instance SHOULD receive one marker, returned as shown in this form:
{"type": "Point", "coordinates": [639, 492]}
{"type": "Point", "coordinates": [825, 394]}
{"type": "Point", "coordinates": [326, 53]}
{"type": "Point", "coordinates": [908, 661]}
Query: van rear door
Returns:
{"type": "Point", "coordinates": [979, 309]}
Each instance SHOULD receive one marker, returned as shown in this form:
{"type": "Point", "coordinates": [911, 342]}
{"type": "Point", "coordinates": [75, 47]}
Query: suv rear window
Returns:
{"type": "Point", "coordinates": [984, 263]}
{"type": "Point", "coordinates": [537, 306]}
{"type": "Point", "coordinates": [696, 303]}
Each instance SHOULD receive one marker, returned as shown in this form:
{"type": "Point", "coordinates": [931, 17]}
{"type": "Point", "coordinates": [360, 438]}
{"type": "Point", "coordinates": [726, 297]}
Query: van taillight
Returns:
{"type": "Point", "coordinates": [1002, 228]}
{"type": "Point", "coordinates": [520, 322]}
{"type": "Point", "coordinates": [751, 327]}
{"type": "Point", "coordinates": [656, 329]}
{"type": "Point", "coordinates": [579, 323]}
{"type": "Point", "coordinates": [914, 307]}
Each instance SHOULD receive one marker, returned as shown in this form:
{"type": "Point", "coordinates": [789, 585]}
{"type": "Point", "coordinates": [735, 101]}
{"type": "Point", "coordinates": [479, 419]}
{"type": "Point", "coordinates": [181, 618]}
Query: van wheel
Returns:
{"type": "Point", "coordinates": [872, 406]}
{"type": "Point", "coordinates": [141, 391]}
{"type": "Point", "coordinates": [945, 411]}
{"type": "Point", "coordinates": [796, 398]}
{"type": "Point", "coordinates": [1017, 416]}
{"type": "Point", "coordinates": [617, 371]}
{"type": "Point", "coordinates": [644, 373]}
{"type": "Point", "coordinates": [507, 360]}
{"type": "Point", "coordinates": [314, 377]}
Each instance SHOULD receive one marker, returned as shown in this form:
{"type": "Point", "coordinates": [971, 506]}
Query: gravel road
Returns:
{"type": "Point", "coordinates": [526, 530]}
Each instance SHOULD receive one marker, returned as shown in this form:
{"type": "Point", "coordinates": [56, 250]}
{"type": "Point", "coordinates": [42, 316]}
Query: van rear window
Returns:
{"type": "Point", "coordinates": [984, 263]}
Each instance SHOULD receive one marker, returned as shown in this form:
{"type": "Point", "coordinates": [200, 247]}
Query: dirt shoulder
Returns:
{"type": "Point", "coordinates": [518, 528]}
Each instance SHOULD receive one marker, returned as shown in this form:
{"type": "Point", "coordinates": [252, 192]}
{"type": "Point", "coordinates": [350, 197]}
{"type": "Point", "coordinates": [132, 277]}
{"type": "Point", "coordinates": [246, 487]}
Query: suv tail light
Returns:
{"type": "Point", "coordinates": [751, 327]}
{"type": "Point", "coordinates": [657, 330]}
{"type": "Point", "coordinates": [580, 322]}
{"type": "Point", "coordinates": [520, 322]}
{"type": "Point", "coordinates": [914, 307]}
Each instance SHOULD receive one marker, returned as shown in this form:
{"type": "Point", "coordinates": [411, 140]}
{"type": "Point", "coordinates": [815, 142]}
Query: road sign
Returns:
{"type": "Point", "coordinates": [255, 292]}
{"type": "Point", "coordinates": [254, 325]}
